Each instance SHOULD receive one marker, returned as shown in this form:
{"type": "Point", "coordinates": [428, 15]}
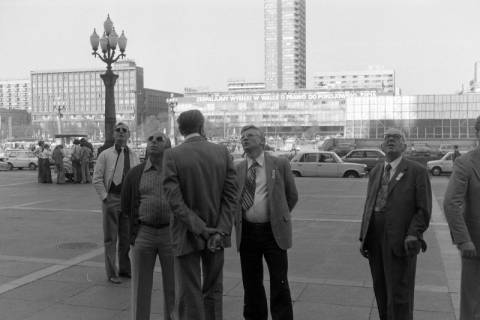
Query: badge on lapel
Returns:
{"type": "Point", "coordinates": [274, 174]}
{"type": "Point", "coordinates": [400, 175]}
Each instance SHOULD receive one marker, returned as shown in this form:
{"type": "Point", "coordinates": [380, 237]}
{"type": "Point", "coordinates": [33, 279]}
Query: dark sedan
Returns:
{"type": "Point", "coordinates": [370, 157]}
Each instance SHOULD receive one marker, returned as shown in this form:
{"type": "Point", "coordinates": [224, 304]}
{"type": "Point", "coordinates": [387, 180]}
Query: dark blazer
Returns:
{"type": "Point", "coordinates": [130, 198]}
{"type": "Point", "coordinates": [409, 204]}
{"type": "Point", "coordinates": [201, 189]}
{"type": "Point", "coordinates": [462, 200]}
{"type": "Point", "coordinates": [282, 197]}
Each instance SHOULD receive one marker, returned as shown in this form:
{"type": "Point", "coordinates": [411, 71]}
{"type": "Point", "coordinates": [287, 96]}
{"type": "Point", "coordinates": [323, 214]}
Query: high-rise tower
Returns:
{"type": "Point", "coordinates": [285, 65]}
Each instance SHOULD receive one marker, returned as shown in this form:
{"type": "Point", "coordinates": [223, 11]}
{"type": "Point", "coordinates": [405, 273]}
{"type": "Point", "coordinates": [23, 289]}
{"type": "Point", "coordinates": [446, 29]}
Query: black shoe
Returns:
{"type": "Point", "coordinates": [115, 280]}
{"type": "Point", "coordinates": [127, 275]}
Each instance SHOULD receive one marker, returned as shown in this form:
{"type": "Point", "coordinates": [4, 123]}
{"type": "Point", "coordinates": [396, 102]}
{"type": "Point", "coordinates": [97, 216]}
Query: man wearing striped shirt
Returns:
{"type": "Point", "coordinates": [149, 216]}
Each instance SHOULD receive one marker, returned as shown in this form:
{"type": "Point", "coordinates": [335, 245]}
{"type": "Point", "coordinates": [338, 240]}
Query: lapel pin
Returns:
{"type": "Point", "coordinates": [400, 175]}
{"type": "Point", "coordinates": [273, 174]}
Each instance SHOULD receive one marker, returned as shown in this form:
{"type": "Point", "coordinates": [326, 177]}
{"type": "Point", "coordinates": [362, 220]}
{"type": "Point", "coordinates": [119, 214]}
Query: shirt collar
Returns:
{"type": "Point", "coordinates": [260, 160]}
{"type": "Point", "coordinates": [191, 135]}
{"type": "Point", "coordinates": [394, 164]}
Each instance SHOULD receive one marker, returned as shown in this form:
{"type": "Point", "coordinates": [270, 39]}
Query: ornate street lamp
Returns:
{"type": "Point", "coordinates": [59, 108]}
{"type": "Point", "coordinates": [172, 103]}
{"type": "Point", "coordinates": [108, 44]}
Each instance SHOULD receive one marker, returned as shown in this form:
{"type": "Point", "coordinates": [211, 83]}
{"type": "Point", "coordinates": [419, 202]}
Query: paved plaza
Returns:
{"type": "Point", "coordinates": [51, 256]}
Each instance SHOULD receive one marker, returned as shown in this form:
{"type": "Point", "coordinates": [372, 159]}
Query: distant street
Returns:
{"type": "Point", "coordinates": [51, 256]}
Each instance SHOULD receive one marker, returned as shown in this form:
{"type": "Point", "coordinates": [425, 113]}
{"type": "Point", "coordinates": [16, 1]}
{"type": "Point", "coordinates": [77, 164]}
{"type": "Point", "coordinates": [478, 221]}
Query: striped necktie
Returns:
{"type": "Point", "coordinates": [248, 193]}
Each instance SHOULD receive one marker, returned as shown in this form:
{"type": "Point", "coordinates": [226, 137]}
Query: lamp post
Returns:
{"type": "Point", "coordinates": [172, 103]}
{"type": "Point", "coordinates": [108, 44]}
{"type": "Point", "coordinates": [59, 108]}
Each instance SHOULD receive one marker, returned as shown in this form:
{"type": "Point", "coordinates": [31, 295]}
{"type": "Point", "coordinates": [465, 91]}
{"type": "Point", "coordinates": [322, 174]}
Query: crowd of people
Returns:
{"type": "Point", "coordinates": [181, 204]}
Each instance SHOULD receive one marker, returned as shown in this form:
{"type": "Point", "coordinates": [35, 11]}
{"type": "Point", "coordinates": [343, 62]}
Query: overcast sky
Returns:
{"type": "Point", "coordinates": [431, 44]}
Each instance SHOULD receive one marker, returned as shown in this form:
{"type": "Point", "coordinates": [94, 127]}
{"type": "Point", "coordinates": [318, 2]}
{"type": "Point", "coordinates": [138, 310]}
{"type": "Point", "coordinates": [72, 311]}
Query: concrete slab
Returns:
{"type": "Point", "coordinates": [315, 311]}
{"type": "Point", "coordinates": [68, 312]}
{"type": "Point", "coordinates": [112, 297]}
{"type": "Point", "coordinates": [337, 295]}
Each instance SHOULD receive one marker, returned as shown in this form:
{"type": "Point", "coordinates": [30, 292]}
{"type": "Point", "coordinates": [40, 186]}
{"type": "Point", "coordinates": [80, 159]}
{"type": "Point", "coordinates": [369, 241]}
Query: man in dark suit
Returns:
{"type": "Point", "coordinates": [267, 195]}
{"type": "Point", "coordinates": [462, 209]}
{"type": "Point", "coordinates": [396, 214]}
{"type": "Point", "coordinates": [201, 188]}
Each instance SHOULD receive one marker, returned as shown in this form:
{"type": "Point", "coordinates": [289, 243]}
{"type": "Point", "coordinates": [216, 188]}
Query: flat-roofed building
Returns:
{"type": "Point", "coordinates": [15, 94]}
{"type": "Point", "coordinates": [380, 80]}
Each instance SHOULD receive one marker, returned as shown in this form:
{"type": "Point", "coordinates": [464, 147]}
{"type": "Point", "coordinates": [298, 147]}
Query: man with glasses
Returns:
{"type": "Point", "coordinates": [263, 226]}
{"type": "Point", "coordinates": [149, 214]}
{"type": "Point", "coordinates": [201, 188]}
{"type": "Point", "coordinates": [110, 169]}
{"type": "Point", "coordinates": [397, 212]}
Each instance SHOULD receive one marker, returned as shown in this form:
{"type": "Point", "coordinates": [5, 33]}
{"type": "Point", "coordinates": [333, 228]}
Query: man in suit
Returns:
{"type": "Point", "coordinates": [201, 188]}
{"type": "Point", "coordinates": [149, 214]}
{"type": "Point", "coordinates": [263, 227]}
{"type": "Point", "coordinates": [462, 209]}
{"type": "Point", "coordinates": [111, 167]}
{"type": "Point", "coordinates": [397, 212]}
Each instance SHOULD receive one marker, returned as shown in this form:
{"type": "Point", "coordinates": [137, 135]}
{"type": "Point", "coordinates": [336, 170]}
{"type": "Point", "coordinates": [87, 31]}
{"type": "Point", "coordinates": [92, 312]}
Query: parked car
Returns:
{"type": "Point", "coordinates": [325, 164]}
{"type": "Point", "coordinates": [342, 149]}
{"type": "Point", "coordinates": [423, 157]}
{"type": "Point", "coordinates": [444, 165]}
{"type": "Point", "coordinates": [370, 157]}
{"type": "Point", "coordinates": [20, 159]}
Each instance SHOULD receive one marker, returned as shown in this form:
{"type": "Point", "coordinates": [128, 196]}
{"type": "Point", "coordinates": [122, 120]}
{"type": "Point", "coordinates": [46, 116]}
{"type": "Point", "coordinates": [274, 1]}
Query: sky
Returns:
{"type": "Point", "coordinates": [431, 44]}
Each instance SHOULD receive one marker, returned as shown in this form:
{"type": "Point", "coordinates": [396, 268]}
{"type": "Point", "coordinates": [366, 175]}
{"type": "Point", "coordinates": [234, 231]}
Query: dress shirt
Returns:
{"type": "Point", "coordinates": [154, 209]}
{"type": "Point", "coordinates": [258, 213]}
{"type": "Point", "coordinates": [394, 165]}
{"type": "Point", "coordinates": [191, 135]}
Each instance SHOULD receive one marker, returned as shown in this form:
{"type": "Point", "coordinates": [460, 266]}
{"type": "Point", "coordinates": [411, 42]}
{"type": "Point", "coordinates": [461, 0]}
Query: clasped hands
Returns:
{"type": "Point", "coordinates": [215, 239]}
{"type": "Point", "coordinates": [411, 246]}
{"type": "Point", "coordinates": [467, 249]}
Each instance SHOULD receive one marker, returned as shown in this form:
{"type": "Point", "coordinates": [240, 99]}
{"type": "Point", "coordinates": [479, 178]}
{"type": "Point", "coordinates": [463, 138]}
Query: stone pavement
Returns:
{"type": "Point", "coordinates": [51, 257]}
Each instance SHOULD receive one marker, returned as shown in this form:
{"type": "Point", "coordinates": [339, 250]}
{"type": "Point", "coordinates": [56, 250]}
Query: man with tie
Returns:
{"type": "Point", "coordinates": [267, 195]}
{"type": "Point", "coordinates": [462, 209]}
{"type": "Point", "coordinates": [111, 167]}
{"type": "Point", "coordinates": [396, 214]}
{"type": "Point", "coordinates": [201, 189]}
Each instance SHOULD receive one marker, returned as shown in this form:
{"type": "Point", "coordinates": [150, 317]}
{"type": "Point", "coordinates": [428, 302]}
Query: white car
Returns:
{"type": "Point", "coordinates": [325, 164]}
{"type": "Point", "coordinates": [444, 165]}
{"type": "Point", "coordinates": [20, 159]}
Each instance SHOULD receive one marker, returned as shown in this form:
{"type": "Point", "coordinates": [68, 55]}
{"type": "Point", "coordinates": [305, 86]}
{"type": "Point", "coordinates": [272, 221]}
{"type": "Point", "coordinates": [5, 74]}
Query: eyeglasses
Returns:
{"type": "Point", "coordinates": [124, 130]}
{"type": "Point", "coordinates": [249, 135]}
{"type": "Point", "coordinates": [158, 139]}
{"type": "Point", "coordinates": [394, 136]}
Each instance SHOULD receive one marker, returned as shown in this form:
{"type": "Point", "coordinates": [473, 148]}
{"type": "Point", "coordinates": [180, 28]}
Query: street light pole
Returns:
{"type": "Point", "coordinates": [172, 103]}
{"type": "Point", "coordinates": [59, 108]}
{"type": "Point", "coordinates": [108, 44]}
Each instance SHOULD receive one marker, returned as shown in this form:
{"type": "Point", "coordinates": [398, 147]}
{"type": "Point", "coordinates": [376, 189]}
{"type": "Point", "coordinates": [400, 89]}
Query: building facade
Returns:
{"type": "Point", "coordinates": [362, 114]}
{"type": "Point", "coordinates": [15, 94]}
{"type": "Point", "coordinates": [285, 44]}
{"type": "Point", "coordinates": [15, 123]}
{"type": "Point", "coordinates": [78, 96]}
{"type": "Point", "coordinates": [380, 80]}
{"type": "Point", "coordinates": [242, 86]}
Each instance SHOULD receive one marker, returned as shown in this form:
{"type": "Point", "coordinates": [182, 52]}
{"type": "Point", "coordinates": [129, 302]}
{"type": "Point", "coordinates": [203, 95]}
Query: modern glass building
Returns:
{"type": "Point", "coordinates": [421, 117]}
{"type": "Point", "coordinates": [355, 114]}
{"type": "Point", "coordinates": [81, 95]}
{"type": "Point", "coordinates": [285, 45]}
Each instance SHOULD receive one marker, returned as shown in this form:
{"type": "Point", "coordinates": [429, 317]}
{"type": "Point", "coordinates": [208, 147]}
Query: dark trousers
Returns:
{"type": "Point", "coordinates": [198, 291]}
{"type": "Point", "coordinates": [470, 289]}
{"type": "Point", "coordinates": [115, 227]}
{"type": "Point", "coordinates": [149, 244]}
{"type": "Point", "coordinates": [393, 276]}
{"type": "Point", "coordinates": [258, 243]}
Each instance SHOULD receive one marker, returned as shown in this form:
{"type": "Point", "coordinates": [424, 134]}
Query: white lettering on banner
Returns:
{"type": "Point", "coordinates": [285, 96]}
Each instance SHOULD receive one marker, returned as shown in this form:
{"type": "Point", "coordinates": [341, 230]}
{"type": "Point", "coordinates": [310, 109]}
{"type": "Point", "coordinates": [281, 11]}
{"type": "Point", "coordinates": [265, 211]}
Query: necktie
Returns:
{"type": "Point", "coordinates": [118, 174]}
{"type": "Point", "coordinates": [386, 174]}
{"type": "Point", "coordinates": [248, 193]}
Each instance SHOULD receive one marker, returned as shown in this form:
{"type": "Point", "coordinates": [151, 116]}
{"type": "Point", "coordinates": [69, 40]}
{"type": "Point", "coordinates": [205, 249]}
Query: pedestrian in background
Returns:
{"type": "Point", "coordinates": [201, 189]}
{"type": "Point", "coordinates": [76, 165]}
{"type": "Point", "coordinates": [396, 214]}
{"type": "Point", "coordinates": [85, 158]}
{"type": "Point", "coordinates": [267, 195]}
{"type": "Point", "coordinates": [58, 155]}
{"type": "Point", "coordinates": [462, 210]}
{"type": "Point", "coordinates": [110, 169]}
{"type": "Point", "coordinates": [456, 153]}
{"type": "Point", "coordinates": [41, 167]}
{"type": "Point", "coordinates": [46, 156]}
{"type": "Point", "coordinates": [149, 214]}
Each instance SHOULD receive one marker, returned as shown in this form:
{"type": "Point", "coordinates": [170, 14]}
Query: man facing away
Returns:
{"type": "Point", "coordinates": [201, 188]}
{"type": "Point", "coordinates": [111, 167]}
{"type": "Point", "coordinates": [397, 212]}
{"type": "Point", "coordinates": [462, 209]}
{"type": "Point", "coordinates": [267, 195]}
{"type": "Point", "coordinates": [149, 214]}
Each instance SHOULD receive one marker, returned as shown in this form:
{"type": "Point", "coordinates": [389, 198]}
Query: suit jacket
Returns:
{"type": "Point", "coordinates": [409, 204]}
{"type": "Point", "coordinates": [462, 199]}
{"type": "Point", "coordinates": [201, 189]}
{"type": "Point", "coordinates": [282, 197]}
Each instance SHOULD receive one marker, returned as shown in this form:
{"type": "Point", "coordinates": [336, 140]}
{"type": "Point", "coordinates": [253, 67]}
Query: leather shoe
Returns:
{"type": "Point", "coordinates": [115, 280]}
{"type": "Point", "coordinates": [125, 275]}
